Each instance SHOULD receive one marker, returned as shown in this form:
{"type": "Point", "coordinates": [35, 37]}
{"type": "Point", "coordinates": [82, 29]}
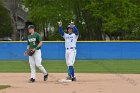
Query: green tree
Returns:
{"type": "Point", "coordinates": [6, 28]}
{"type": "Point", "coordinates": [119, 17]}
{"type": "Point", "coordinates": [50, 12]}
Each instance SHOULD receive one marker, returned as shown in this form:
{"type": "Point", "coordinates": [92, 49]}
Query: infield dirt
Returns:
{"type": "Point", "coordinates": [86, 83]}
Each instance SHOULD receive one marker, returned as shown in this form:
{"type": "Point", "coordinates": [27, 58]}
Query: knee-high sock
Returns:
{"type": "Point", "coordinates": [71, 69]}
{"type": "Point", "coordinates": [69, 72]}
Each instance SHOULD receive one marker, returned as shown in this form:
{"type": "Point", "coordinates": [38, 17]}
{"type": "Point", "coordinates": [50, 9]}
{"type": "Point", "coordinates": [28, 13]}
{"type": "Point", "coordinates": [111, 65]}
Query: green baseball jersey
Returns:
{"type": "Point", "coordinates": [33, 40]}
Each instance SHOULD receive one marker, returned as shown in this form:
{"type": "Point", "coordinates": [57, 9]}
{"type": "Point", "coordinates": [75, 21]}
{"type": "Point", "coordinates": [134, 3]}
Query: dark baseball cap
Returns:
{"type": "Point", "coordinates": [31, 26]}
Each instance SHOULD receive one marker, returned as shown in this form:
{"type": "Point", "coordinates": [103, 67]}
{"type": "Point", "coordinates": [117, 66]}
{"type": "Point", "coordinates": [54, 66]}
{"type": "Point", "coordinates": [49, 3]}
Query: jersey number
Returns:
{"type": "Point", "coordinates": [34, 43]}
{"type": "Point", "coordinates": [71, 40]}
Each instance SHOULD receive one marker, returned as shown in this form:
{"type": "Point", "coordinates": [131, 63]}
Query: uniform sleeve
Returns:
{"type": "Point", "coordinates": [39, 38]}
{"type": "Point", "coordinates": [61, 31]}
{"type": "Point", "coordinates": [75, 30]}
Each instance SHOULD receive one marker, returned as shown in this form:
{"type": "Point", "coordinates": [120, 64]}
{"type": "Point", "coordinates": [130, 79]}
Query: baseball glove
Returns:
{"type": "Point", "coordinates": [30, 52]}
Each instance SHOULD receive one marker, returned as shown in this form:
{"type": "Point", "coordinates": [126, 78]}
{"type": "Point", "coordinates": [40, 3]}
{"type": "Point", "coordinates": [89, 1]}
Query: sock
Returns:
{"type": "Point", "coordinates": [71, 71]}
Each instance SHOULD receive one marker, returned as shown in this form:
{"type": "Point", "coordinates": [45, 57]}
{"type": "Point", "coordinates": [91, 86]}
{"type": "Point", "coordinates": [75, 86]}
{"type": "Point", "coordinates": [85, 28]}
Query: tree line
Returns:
{"type": "Point", "coordinates": [95, 19]}
{"type": "Point", "coordinates": [6, 28]}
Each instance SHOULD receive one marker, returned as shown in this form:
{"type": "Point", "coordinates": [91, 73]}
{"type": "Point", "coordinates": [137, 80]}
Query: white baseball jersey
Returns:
{"type": "Point", "coordinates": [70, 40]}
{"type": "Point", "coordinates": [70, 45]}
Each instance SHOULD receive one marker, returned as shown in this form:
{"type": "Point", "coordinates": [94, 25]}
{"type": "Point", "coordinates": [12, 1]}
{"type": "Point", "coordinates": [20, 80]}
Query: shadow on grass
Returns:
{"type": "Point", "coordinates": [4, 86]}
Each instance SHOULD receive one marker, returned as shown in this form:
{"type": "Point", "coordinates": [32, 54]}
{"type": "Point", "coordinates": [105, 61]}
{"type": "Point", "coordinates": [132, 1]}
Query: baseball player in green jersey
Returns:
{"type": "Point", "coordinates": [34, 44]}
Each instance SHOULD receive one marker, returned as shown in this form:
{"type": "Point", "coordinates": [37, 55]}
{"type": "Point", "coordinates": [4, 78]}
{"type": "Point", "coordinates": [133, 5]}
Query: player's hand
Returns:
{"type": "Point", "coordinates": [25, 53]}
{"type": "Point", "coordinates": [72, 24]}
{"type": "Point", "coordinates": [59, 23]}
{"type": "Point", "coordinates": [33, 50]}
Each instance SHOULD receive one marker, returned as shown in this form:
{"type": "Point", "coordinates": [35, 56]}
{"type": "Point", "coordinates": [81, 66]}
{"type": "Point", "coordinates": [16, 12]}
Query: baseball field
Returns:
{"type": "Point", "coordinates": [93, 76]}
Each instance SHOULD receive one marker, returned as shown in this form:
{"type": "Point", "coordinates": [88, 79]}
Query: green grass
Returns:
{"type": "Point", "coordinates": [4, 86]}
{"type": "Point", "coordinates": [81, 66]}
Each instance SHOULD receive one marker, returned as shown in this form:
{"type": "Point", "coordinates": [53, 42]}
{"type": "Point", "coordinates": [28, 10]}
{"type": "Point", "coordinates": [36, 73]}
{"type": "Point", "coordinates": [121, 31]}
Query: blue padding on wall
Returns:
{"type": "Point", "coordinates": [85, 50]}
{"type": "Point", "coordinates": [53, 50]}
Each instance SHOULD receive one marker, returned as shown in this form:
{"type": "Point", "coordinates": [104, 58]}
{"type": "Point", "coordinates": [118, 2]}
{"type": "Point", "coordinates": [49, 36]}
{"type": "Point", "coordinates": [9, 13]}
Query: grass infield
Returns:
{"type": "Point", "coordinates": [4, 86]}
{"type": "Point", "coordinates": [81, 66]}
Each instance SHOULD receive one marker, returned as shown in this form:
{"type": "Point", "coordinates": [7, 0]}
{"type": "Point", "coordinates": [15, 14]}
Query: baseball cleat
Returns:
{"type": "Point", "coordinates": [68, 78]}
{"type": "Point", "coordinates": [73, 79]}
{"type": "Point", "coordinates": [31, 80]}
{"type": "Point", "coordinates": [45, 77]}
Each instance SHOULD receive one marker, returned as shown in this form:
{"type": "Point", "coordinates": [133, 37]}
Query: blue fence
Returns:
{"type": "Point", "coordinates": [85, 50]}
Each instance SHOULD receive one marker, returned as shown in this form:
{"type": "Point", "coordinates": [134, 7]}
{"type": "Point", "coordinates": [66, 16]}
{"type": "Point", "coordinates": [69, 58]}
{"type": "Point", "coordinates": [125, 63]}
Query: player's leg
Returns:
{"type": "Point", "coordinates": [71, 61]}
{"type": "Point", "coordinates": [38, 61]}
{"type": "Point", "coordinates": [32, 67]}
{"type": "Point", "coordinates": [72, 57]}
{"type": "Point", "coordinates": [67, 57]}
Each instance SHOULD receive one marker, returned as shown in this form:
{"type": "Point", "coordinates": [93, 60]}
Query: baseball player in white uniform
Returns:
{"type": "Point", "coordinates": [34, 44]}
{"type": "Point", "coordinates": [70, 45]}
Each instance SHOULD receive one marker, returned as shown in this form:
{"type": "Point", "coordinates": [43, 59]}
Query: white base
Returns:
{"type": "Point", "coordinates": [64, 81]}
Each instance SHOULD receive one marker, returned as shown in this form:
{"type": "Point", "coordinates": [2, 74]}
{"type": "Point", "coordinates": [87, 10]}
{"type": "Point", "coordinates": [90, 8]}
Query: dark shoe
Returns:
{"type": "Point", "coordinates": [45, 77]}
{"type": "Point", "coordinates": [73, 79]}
{"type": "Point", "coordinates": [31, 80]}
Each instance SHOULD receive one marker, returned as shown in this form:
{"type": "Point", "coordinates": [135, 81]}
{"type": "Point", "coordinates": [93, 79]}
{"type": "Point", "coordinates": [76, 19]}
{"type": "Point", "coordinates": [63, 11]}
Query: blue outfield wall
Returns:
{"type": "Point", "coordinates": [85, 50]}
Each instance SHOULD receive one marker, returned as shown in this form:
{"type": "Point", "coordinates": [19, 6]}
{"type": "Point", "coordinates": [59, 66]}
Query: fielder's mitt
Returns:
{"type": "Point", "coordinates": [30, 52]}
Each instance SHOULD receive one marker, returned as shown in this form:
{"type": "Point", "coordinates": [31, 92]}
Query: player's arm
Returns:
{"type": "Point", "coordinates": [75, 30]}
{"type": "Point", "coordinates": [40, 42]}
{"type": "Point", "coordinates": [61, 31]}
{"type": "Point", "coordinates": [26, 53]}
{"type": "Point", "coordinates": [28, 46]}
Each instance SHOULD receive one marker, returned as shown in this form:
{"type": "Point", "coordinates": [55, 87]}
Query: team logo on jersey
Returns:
{"type": "Point", "coordinates": [69, 37]}
{"type": "Point", "coordinates": [32, 39]}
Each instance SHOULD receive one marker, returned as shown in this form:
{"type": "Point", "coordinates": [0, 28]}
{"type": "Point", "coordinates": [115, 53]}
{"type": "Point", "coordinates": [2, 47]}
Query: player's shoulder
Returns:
{"type": "Point", "coordinates": [37, 34]}
{"type": "Point", "coordinates": [73, 34]}
{"type": "Point", "coordinates": [66, 34]}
